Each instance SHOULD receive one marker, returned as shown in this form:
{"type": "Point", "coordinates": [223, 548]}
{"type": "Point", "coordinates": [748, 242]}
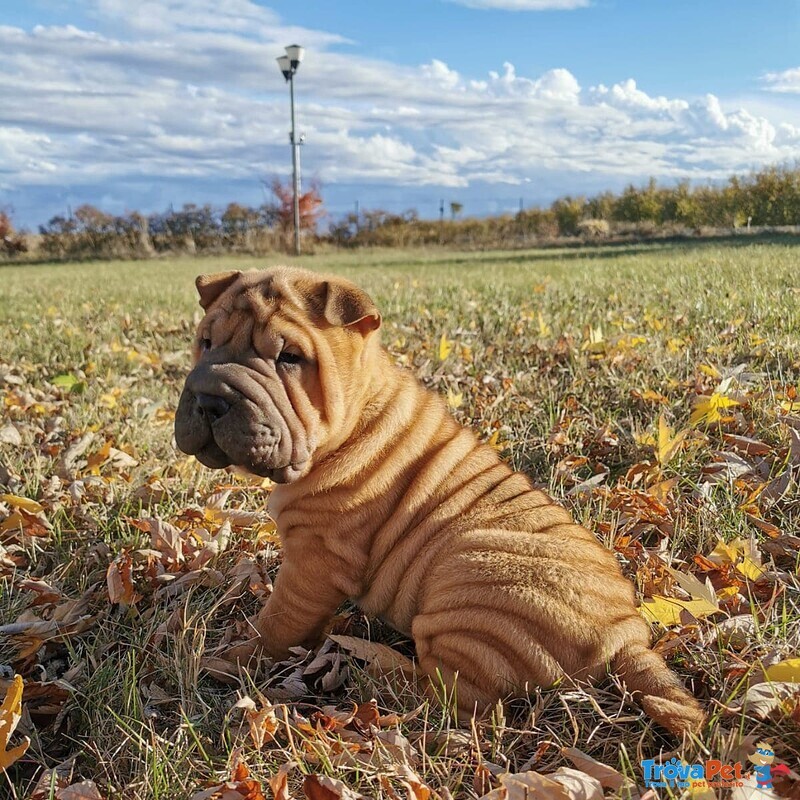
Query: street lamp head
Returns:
{"type": "Point", "coordinates": [285, 65]}
{"type": "Point", "coordinates": [295, 53]}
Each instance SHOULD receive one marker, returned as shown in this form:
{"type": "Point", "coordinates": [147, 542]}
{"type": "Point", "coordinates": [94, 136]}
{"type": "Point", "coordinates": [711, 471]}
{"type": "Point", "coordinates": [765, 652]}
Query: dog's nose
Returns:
{"type": "Point", "coordinates": [212, 406]}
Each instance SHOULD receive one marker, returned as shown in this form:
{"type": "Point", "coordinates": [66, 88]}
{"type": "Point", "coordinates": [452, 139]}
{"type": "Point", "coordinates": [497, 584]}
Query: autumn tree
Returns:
{"type": "Point", "coordinates": [310, 203]}
{"type": "Point", "coordinates": [10, 242]}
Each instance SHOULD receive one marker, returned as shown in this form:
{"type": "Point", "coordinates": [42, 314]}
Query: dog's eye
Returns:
{"type": "Point", "coordinates": [287, 357]}
{"type": "Point", "coordinates": [205, 344]}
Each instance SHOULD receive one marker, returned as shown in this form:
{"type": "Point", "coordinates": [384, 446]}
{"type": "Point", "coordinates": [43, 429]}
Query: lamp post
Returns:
{"type": "Point", "coordinates": [288, 65]}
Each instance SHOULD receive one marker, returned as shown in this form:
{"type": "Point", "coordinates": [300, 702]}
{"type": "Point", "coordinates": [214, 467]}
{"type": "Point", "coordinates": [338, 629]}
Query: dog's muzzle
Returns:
{"type": "Point", "coordinates": [222, 426]}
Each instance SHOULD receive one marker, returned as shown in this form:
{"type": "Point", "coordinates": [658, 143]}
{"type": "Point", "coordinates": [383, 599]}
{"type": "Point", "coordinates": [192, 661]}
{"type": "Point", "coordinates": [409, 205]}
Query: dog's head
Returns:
{"type": "Point", "coordinates": [281, 360]}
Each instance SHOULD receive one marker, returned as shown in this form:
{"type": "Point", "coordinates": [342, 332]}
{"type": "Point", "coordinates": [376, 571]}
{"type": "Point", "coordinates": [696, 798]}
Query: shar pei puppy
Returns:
{"type": "Point", "coordinates": [384, 499]}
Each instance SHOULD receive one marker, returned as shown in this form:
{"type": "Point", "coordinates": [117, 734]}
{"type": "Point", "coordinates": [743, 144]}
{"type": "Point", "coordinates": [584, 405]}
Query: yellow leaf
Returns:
{"type": "Point", "coordinates": [10, 715]}
{"type": "Point", "coordinates": [454, 399]}
{"type": "Point", "coordinates": [544, 328]}
{"type": "Point", "coordinates": [445, 346]}
{"type": "Point", "coordinates": [25, 503]}
{"type": "Point", "coordinates": [676, 344]}
{"type": "Point", "coordinates": [108, 400]}
{"type": "Point", "coordinates": [791, 406]}
{"type": "Point", "coordinates": [667, 610]}
{"type": "Point", "coordinates": [739, 553]}
{"type": "Point", "coordinates": [711, 372]}
{"type": "Point", "coordinates": [495, 443]}
{"type": "Point", "coordinates": [594, 343]}
{"type": "Point", "coordinates": [710, 409]}
{"type": "Point", "coordinates": [788, 671]}
{"type": "Point", "coordinates": [668, 443]}
{"type": "Point", "coordinates": [645, 439]}
{"type": "Point", "coordinates": [750, 569]}
{"type": "Point", "coordinates": [724, 553]}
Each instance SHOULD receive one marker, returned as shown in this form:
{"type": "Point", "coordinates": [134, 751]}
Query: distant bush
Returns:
{"type": "Point", "coordinates": [768, 198]}
{"type": "Point", "coordinates": [594, 228]}
{"type": "Point", "coordinates": [764, 199]}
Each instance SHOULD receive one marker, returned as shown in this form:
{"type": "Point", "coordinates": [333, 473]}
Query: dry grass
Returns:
{"type": "Point", "coordinates": [566, 360]}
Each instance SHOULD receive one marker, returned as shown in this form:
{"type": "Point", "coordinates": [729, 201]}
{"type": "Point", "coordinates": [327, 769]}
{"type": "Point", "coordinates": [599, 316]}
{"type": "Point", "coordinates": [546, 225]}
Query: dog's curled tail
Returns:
{"type": "Point", "coordinates": [659, 689]}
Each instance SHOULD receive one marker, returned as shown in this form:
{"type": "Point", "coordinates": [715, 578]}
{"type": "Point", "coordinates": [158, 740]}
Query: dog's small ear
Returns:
{"type": "Point", "coordinates": [342, 304]}
{"type": "Point", "coordinates": [347, 306]}
{"type": "Point", "coordinates": [210, 287]}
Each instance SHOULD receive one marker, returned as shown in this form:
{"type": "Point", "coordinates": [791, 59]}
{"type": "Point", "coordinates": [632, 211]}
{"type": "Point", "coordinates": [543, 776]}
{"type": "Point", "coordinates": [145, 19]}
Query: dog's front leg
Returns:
{"type": "Point", "coordinates": [303, 600]}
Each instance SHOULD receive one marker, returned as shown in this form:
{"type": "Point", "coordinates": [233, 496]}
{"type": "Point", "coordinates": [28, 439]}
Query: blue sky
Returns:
{"type": "Point", "coordinates": [138, 105]}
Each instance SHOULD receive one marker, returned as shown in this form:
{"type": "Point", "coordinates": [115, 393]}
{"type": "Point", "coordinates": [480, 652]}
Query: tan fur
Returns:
{"type": "Point", "coordinates": [402, 510]}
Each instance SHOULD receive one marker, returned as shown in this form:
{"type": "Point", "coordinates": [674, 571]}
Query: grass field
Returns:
{"type": "Point", "coordinates": [653, 389]}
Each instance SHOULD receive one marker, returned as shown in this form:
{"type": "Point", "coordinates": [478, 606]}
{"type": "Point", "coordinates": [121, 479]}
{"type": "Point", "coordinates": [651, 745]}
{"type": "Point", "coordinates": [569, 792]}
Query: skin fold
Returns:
{"type": "Point", "coordinates": [384, 499]}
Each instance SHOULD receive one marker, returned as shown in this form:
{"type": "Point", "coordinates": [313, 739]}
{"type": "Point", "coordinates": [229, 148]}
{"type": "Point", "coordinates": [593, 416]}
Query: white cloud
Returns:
{"type": "Point", "coordinates": [524, 5]}
{"type": "Point", "coordinates": [786, 81]}
{"type": "Point", "coordinates": [192, 95]}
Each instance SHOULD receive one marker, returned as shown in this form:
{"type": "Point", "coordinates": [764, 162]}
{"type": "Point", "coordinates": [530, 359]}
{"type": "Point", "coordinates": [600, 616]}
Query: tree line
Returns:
{"type": "Point", "coordinates": [769, 197]}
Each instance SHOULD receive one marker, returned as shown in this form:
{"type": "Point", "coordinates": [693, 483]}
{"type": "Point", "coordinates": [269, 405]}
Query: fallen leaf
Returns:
{"type": "Point", "coordinates": [321, 787]}
{"type": "Point", "coordinates": [119, 579]}
{"type": "Point", "coordinates": [786, 671]}
{"type": "Point", "coordinates": [23, 503]}
{"type": "Point", "coordinates": [710, 408]}
{"type": "Point", "coordinates": [669, 442]}
{"type": "Point", "coordinates": [445, 347]}
{"type": "Point", "coordinates": [10, 435]}
{"type": "Point", "coordinates": [742, 554]}
{"type": "Point", "coordinates": [381, 656]}
{"type": "Point", "coordinates": [563, 784]}
{"type": "Point", "coordinates": [454, 399]}
{"type": "Point", "coordinates": [10, 715]}
{"type": "Point", "coordinates": [667, 610]}
{"type": "Point", "coordinates": [240, 787]}
{"type": "Point", "coordinates": [737, 631]}
{"type": "Point", "coordinates": [413, 784]}
{"type": "Point", "coordinates": [764, 699]}
{"type": "Point", "coordinates": [279, 783]}
{"type": "Point", "coordinates": [609, 777]}
{"type": "Point", "coordinates": [262, 721]}
{"type": "Point", "coordinates": [85, 790]}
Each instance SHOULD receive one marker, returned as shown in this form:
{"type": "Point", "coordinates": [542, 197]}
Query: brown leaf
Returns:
{"type": "Point", "coordinates": [321, 787]}
{"type": "Point", "coordinates": [85, 790]}
{"type": "Point", "coordinates": [609, 777]}
{"type": "Point", "coordinates": [240, 787]}
{"type": "Point", "coordinates": [262, 721]}
{"type": "Point", "coordinates": [380, 656]}
{"type": "Point", "coordinates": [563, 784]}
{"type": "Point", "coordinates": [770, 699]}
{"type": "Point", "coordinates": [413, 784]}
{"type": "Point", "coordinates": [279, 783]}
{"type": "Point", "coordinates": [45, 594]}
{"type": "Point", "coordinates": [119, 578]}
{"type": "Point", "coordinates": [367, 715]}
{"type": "Point", "coordinates": [752, 447]}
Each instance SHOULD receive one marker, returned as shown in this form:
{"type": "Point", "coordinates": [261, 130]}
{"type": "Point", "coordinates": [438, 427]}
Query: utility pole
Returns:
{"type": "Point", "coordinates": [288, 65]}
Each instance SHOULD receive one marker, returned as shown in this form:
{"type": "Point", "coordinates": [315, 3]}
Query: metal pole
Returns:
{"type": "Point", "coordinates": [295, 172]}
